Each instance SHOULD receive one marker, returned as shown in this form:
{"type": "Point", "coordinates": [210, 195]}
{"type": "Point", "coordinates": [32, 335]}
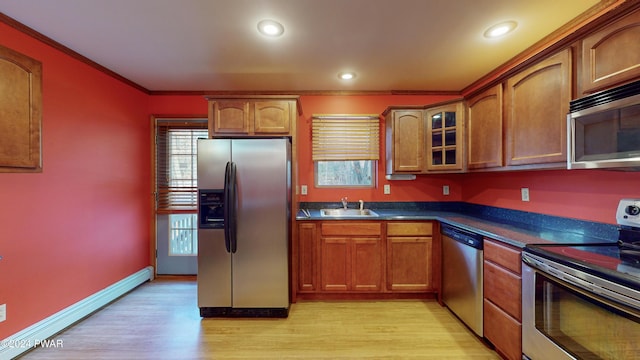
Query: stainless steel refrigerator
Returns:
{"type": "Point", "coordinates": [244, 196]}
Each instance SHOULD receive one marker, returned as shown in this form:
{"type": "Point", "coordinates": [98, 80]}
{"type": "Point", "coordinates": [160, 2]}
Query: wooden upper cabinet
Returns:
{"type": "Point", "coordinates": [405, 141]}
{"type": "Point", "coordinates": [484, 129]}
{"type": "Point", "coordinates": [272, 117]}
{"type": "Point", "coordinates": [445, 126]}
{"type": "Point", "coordinates": [537, 103]}
{"type": "Point", "coordinates": [611, 56]}
{"type": "Point", "coordinates": [241, 117]}
{"type": "Point", "coordinates": [20, 112]}
{"type": "Point", "coordinates": [230, 116]}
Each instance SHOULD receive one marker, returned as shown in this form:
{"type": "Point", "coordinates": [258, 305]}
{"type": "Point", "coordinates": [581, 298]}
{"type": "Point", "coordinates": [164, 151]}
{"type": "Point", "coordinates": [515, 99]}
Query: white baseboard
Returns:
{"type": "Point", "coordinates": [30, 337]}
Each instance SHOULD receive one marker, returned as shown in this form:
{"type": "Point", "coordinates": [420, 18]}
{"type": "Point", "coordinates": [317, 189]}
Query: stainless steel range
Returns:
{"type": "Point", "coordinates": [582, 301]}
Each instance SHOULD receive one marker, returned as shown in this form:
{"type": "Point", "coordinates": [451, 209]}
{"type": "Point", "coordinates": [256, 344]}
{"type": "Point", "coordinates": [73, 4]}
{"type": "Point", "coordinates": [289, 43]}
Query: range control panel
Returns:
{"type": "Point", "coordinates": [628, 213]}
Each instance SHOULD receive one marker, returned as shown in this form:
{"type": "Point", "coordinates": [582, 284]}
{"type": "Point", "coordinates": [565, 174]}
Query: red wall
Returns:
{"type": "Point", "coordinates": [590, 195]}
{"type": "Point", "coordinates": [83, 223]}
{"type": "Point", "coordinates": [422, 189]}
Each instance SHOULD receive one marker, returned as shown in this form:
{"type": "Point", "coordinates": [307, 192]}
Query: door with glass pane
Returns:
{"type": "Point", "coordinates": [176, 194]}
{"type": "Point", "coordinates": [444, 137]}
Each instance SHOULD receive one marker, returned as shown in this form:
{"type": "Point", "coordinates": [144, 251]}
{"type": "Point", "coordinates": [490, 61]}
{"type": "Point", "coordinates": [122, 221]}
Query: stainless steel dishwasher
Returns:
{"type": "Point", "coordinates": [462, 275]}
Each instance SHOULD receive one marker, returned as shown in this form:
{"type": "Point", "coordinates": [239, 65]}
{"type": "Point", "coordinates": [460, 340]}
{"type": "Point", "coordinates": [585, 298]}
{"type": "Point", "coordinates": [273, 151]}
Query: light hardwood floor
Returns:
{"type": "Point", "coordinates": [160, 320]}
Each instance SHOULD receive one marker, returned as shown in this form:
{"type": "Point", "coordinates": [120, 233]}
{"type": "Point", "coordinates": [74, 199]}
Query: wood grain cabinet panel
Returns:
{"type": "Point", "coordinates": [336, 264]}
{"type": "Point", "coordinates": [537, 103]}
{"type": "Point", "coordinates": [405, 141]}
{"type": "Point", "coordinates": [444, 133]}
{"type": "Point", "coordinates": [409, 262]}
{"type": "Point", "coordinates": [509, 257]}
{"type": "Point", "coordinates": [484, 129]}
{"type": "Point", "coordinates": [411, 259]}
{"type": "Point", "coordinates": [307, 255]}
{"type": "Point", "coordinates": [503, 298]}
{"type": "Point", "coordinates": [366, 259]}
{"type": "Point", "coordinates": [504, 288]}
{"type": "Point", "coordinates": [503, 331]}
{"type": "Point", "coordinates": [351, 256]}
{"type": "Point", "coordinates": [20, 112]}
{"type": "Point", "coordinates": [410, 228]}
{"type": "Point", "coordinates": [252, 116]}
{"type": "Point", "coordinates": [366, 264]}
{"type": "Point", "coordinates": [272, 117]}
{"type": "Point", "coordinates": [611, 56]}
{"type": "Point", "coordinates": [230, 116]}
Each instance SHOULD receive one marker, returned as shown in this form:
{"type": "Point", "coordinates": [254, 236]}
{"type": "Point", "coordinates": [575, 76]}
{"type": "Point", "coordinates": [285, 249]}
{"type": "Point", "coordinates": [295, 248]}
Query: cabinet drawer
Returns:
{"type": "Point", "coordinates": [503, 331]}
{"type": "Point", "coordinates": [351, 228]}
{"type": "Point", "coordinates": [410, 228]}
{"type": "Point", "coordinates": [503, 255]}
{"type": "Point", "coordinates": [503, 288]}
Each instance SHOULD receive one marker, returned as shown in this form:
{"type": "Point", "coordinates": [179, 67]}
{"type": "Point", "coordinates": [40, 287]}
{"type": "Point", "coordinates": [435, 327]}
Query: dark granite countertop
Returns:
{"type": "Point", "coordinates": [513, 227]}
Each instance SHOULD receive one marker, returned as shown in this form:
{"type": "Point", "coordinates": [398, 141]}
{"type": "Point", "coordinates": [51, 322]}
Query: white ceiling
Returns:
{"type": "Point", "coordinates": [213, 45]}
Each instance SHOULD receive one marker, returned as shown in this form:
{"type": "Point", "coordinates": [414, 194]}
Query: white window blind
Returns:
{"type": "Point", "coordinates": [345, 137]}
{"type": "Point", "coordinates": [176, 164]}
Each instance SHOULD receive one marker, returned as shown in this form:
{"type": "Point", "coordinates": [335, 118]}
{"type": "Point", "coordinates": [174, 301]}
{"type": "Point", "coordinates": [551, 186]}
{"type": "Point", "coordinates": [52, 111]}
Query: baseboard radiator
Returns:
{"type": "Point", "coordinates": [35, 334]}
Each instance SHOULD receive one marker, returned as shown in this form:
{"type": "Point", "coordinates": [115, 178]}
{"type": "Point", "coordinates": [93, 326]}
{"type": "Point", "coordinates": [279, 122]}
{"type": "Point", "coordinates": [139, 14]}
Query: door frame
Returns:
{"type": "Point", "coordinates": [153, 236]}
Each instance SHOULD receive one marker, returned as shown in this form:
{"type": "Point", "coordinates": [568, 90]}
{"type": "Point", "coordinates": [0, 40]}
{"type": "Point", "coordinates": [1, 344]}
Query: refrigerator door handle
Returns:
{"type": "Point", "coordinates": [233, 216]}
{"type": "Point", "coordinates": [227, 207]}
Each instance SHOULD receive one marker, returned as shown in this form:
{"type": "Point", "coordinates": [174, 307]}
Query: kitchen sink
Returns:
{"type": "Point", "coordinates": [348, 213]}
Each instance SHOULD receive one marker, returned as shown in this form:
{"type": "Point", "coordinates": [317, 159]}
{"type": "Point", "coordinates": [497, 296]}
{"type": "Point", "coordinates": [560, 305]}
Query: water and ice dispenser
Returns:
{"type": "Point", "coordinates": [210, 209]}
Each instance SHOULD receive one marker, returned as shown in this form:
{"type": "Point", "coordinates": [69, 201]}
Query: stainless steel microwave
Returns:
{"type": "Point", "coordinates": [604, 130]}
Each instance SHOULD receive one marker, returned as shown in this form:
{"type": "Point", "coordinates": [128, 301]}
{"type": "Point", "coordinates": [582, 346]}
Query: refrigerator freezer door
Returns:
{"type": "Point", "coordinates": [260, 264]}
{"type": "Point", "coordinates": [214, 262]}
{"type": "Point", "coordinates": [213, 156]}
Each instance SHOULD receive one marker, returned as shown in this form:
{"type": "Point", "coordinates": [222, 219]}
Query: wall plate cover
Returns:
{"type": "Point", "coordinates": [3, 312]}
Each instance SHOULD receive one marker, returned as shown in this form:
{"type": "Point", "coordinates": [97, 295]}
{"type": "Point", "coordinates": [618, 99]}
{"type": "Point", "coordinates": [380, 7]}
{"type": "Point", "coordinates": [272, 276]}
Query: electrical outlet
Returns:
{"type": "Point", "coordinates": [3, 312]}
{"type": "Point", "coordinates": [303, 189]}
{"type": "Point", "coordinates": [387, 189]}
{"type": "Point", "coordinates": [525, 194]}
{"type": "Point", "coordinates": [445, 190]}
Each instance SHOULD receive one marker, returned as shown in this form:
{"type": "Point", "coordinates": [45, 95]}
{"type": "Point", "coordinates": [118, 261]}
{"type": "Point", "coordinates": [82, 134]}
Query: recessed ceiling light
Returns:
{"type": "Point", "coordinates": [346, 75]}
{"type": "Point", "coordinates": [270, 28]}
{"type": "Point", "coordinates": [500, 29]}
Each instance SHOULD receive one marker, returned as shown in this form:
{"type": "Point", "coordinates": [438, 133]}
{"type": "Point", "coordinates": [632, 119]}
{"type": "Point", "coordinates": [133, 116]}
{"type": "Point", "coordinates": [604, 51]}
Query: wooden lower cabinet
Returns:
{"type": "Point", "coordinates": [503, 298]}
{"type": "Point", "coordinates": [503, 331]}
{"type": "Point", "coordinates": [351, 256]}
{"type": "Point", "coordinates": [360, 257]}
{"type": "Point", "coordinates": [307, 254]}
{"type": "Point", "coordinates": [336, 265]}
{"type": "Point", "coordinates": [351, 264]}
{"type": "Point", "coordinates": [410, 256]}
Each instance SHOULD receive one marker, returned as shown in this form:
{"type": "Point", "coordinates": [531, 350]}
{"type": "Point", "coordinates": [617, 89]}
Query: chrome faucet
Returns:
{"type": "Point", "coordinates": [361, 205]}
{"type": "Point", "coordinates": [344, 202]}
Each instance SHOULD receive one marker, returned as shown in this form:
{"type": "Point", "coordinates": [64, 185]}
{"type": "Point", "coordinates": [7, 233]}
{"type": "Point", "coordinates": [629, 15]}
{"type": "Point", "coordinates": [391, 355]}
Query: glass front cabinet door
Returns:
{"type": "Point", "coordinates": [444, 137]}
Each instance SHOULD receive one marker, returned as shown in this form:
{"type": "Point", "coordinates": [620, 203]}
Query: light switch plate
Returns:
{"type": "Point", "coordinates": [445, 190]}
{"type": "Point", "coordinates": [525, 194]}
{"type": "Point", "coordinates": [303, 189]}
{"type": "Point", "coordinates": [387, 189]}
{"type": "Point", "coordinates": [3, 312]}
